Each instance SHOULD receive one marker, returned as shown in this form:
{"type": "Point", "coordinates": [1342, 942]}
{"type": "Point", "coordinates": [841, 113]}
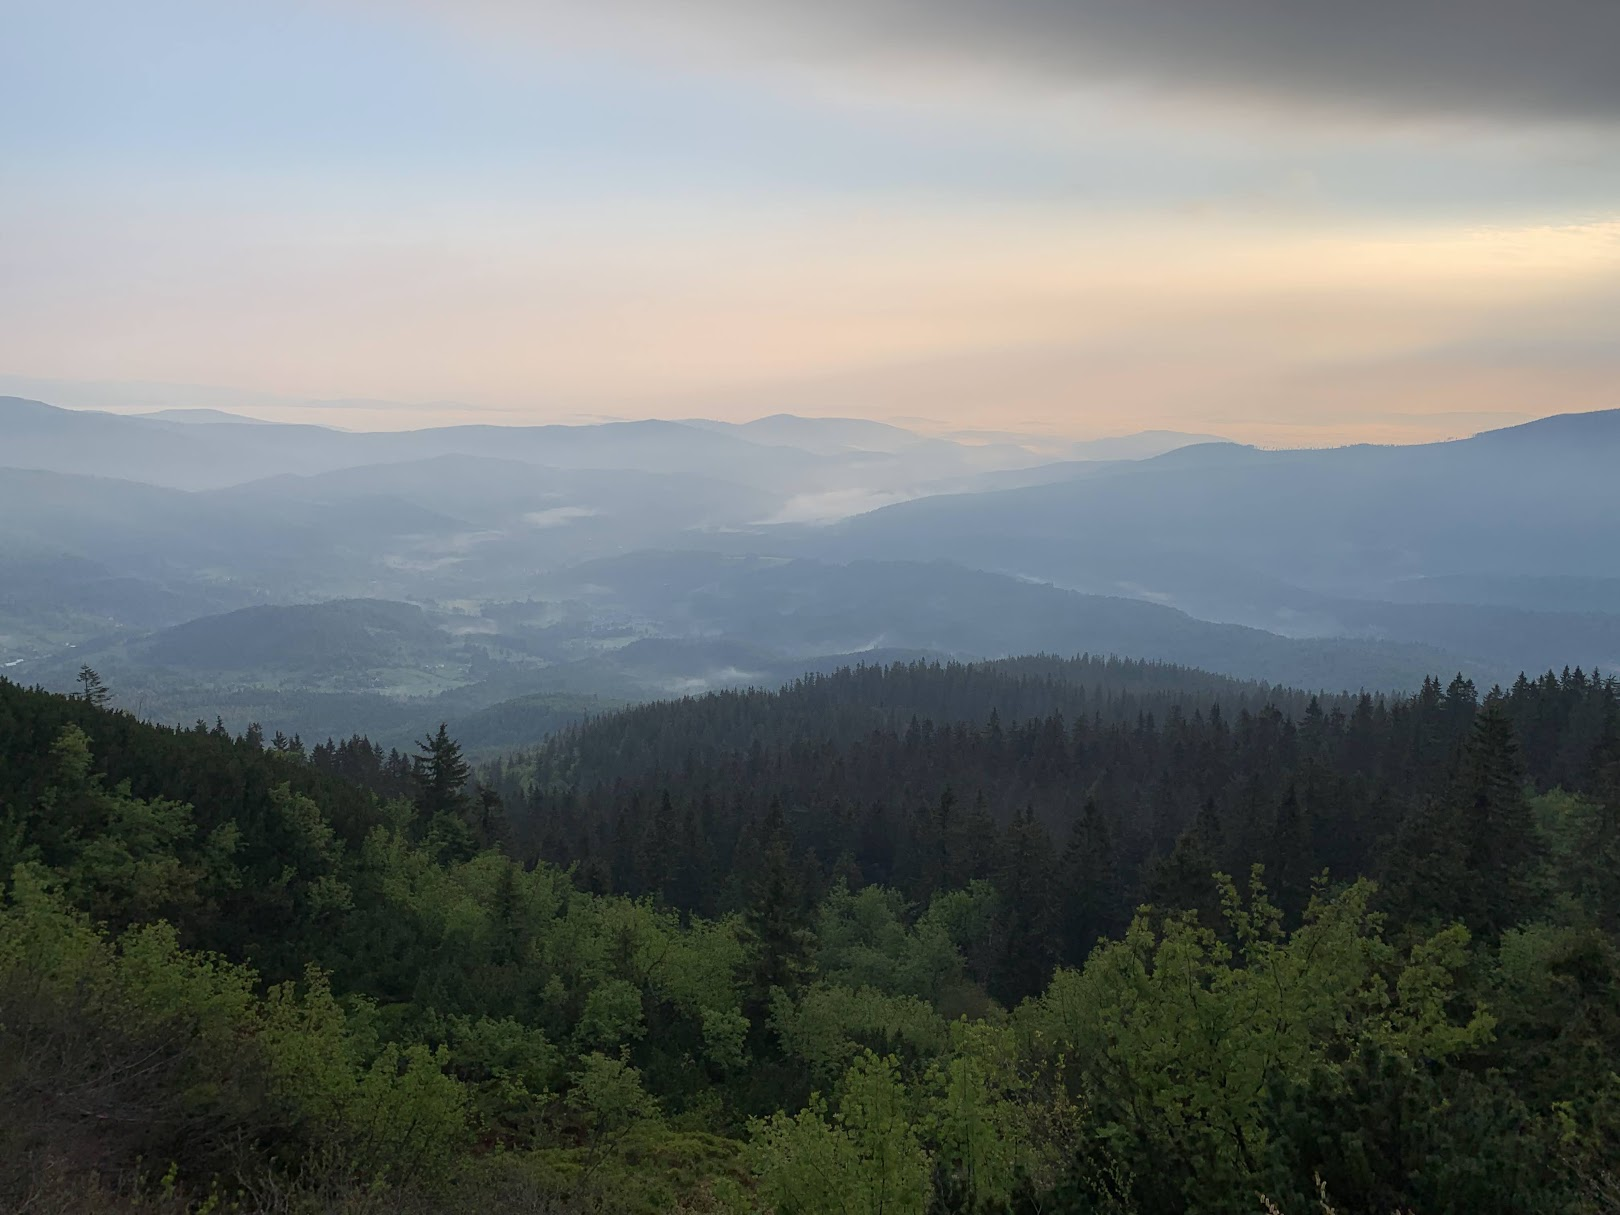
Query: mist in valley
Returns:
{"type": "Point", "coordinates": [214, 566]}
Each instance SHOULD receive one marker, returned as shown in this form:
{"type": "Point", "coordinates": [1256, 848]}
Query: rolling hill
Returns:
{"type": "Point", "coordinates": [1234, 533]}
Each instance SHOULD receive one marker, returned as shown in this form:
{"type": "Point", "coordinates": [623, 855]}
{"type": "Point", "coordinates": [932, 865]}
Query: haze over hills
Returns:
{"type": "Point", "coordinates": [1244, 534]}
{"type": "Point", "coordinates": [827, 435]}
{"type": "Point", "coordinates": [202, 417]}
{"type": "Point", "coordinates": [655, 625]}
{"type": "Point", "coordinates": [534, 560]}
{"type": "Point", "coordinates": [228, 451]}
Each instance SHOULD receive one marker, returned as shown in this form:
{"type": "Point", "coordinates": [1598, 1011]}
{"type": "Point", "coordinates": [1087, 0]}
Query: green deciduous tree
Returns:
{"type": "Point", "coordinates": [1178, 1039]}
{"type": "Point", "coordinates": [862, 1158]}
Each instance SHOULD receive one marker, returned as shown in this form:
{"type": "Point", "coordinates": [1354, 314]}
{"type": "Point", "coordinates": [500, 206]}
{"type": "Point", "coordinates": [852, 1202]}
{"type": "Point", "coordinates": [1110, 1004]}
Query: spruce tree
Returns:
{"type": "Point", "coordinates": [1207, 826]}
{"type": "Point", "coordinates": [1288, 857]}
{"type": "Point", "coordinates": [1595, 858]}
{"type": "Point", "coordinates": [659, 849]}
{"type": "Point", "coordinates": [1470, 853]}
{"type": "Point", "coordinates": [1502, 846]}
{"type": "Point", "coordinates": [490, 824]}
{"type": "Point", "coordinates": [1185, 881]}
{"type": "Point", "coordinates": [775, 921]}
{"type": "Point", "coordinates": [441, 775]}
{"type": "Point", "coordinates": [1028, 910]}
{"type": "Point", "coordinates": [1094, 906]}
{"type": "Point", "coordinates": [91, 688]}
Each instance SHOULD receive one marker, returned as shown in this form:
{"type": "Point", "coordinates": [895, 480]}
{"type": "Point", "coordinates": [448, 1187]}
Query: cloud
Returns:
{"type": "Point", "coordinates": [1449, 59]}
{"type": "Point", "coordinates": [1016, 318]}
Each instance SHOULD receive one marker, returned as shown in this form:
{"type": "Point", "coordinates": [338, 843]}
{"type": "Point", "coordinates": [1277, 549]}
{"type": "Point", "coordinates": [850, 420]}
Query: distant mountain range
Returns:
{"type": "Point", "coordinates": [201, 416]}
{"type": "Point", "coordinates": [1278, 538]}
{"type": "Point", "coordinates": [215, 564]}
{"type": "Point", "coordinates": [207, 449]}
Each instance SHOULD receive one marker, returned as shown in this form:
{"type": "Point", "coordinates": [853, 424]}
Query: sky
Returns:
{"type": "Point", "coordinates": [1282, 222]}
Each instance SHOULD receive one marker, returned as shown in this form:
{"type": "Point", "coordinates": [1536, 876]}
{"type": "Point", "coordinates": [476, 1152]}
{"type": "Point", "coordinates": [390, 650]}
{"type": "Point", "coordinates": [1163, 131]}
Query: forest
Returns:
{"type": "Point", "coordinates": [1039, 935]}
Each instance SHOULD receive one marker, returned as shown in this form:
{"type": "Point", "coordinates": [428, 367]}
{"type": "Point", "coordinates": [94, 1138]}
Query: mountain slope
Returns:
{"type": "Point", "coordinates": [227, 451]}
{"type": "Point", "coordinates": [315, 639]}
{"type": "Point", "coordinates": [813, 608]}
{"type": "Point", "coordinates": [1205, 525]}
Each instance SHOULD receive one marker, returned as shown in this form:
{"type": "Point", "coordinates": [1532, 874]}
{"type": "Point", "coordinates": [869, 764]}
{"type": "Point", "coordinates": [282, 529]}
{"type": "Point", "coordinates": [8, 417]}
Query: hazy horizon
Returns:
{"type": "Point", "coordinates": [1081, 219]}
{"type": "Point", "coordinates": [368, 416]}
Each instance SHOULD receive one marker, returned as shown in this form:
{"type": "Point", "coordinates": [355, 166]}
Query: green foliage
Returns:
{"type": "Point", "coordinates": [508, 1070]}
{"type": "Point", "coordinates": [828, 1026]}
{"type": "Point", "coordinates": [612, 1015]}
{"type": "Point", "coordinates": [867, 939]}
{"type": "Point", "coordinates": [230, 977]}
{"type": "Point", "coordinates": [984, 1120]}
{"type": "Point", "coordinates": [1584, 834]}
{"type": "Point", "coordinates": [124, 859]}
{"type": "Point", "coordinates": [174, 1052]}
{"type": "Point", "coordinates": [863, 1159]}
{"type": "Point", "coordinates": [392, 1110]}
{"type": "Point", "coordinates": [606, 1094]}
{"type": "Point", "coordinates": [1178, 1040]}
{"type": "Point", "coordinates": [725, 1039]}
{"type": "Point", "coordinates": [441, 775]}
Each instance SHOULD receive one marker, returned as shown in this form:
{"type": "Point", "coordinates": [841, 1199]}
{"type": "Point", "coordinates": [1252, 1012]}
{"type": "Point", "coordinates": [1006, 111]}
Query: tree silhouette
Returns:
{"type": "Point", "coordinates": [441, 775]}
{"type": "Point", "coordinates": [92, 688]}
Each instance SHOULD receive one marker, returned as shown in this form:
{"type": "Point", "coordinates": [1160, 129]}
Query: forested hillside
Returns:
{"type": "Point", "coordinates": [1073, 936]}
{"type": "Point", "coordinates": [1093, 784]}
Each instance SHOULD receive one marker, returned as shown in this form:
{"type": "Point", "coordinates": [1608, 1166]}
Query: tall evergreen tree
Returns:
{"type": "Point", "coordinates": [489, 823]}
{"type": "Point", "coordinates": [1185, 881]}
{"type": "Point", "coordinates": [441, 775]}
{"type": "Point", "coordinates": [659, 859]}
{"type": "Point", "coordinates": [1028, 910]}
{"type": "Point", "coordinates": [1594, 858]}
{"type": "Point", "coordinates": [1209, 829]}
{"type": "Point", "coordinates": [1092, 894]}
{"type": "Point", "coordinates": [1470, 853]}
{"type": "Point", "coordinates": [92, 688]}
{"type": "Point", "coordinates": [1502, 847]}
{"type": "Point", "coordinates": [776, 920]}
{"type": "Point", "coordinates": [1288, 856]}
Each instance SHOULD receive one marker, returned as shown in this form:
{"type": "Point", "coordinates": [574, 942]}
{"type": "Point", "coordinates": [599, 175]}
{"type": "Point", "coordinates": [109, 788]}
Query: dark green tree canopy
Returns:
{"type": "Point", "coordinates": [859, 945]}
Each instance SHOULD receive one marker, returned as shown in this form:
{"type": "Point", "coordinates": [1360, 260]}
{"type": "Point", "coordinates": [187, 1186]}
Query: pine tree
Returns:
{"type": "Point", "coordinates": [508, 936]}
{"type": "Point", "coordinates": [775, 921]}
{"type": "Point", "coordinates": [1595, 857]}
{"type": "Point", "coordinates": [947, 838]}
{"type": "Point", "coordinates": [1094, 906]}
{"type": "Point", "coordinates": [441, 775]}
{"type": "Point", "coordinates": [1207, 826]}
{"type": "Point", "coordinates": [657, 863]}
{"type": "Point", "coordinates": [1028, 910]}
{"type": "Point", "coordinates": [1470, 853]}
{"type": "Point", "coordinates": [490, 824]}
{"type": "Point", "coordinates": [1288, 857]}
{"type": "Point", "coordinates": [92, 688]}
{"type": "Point", "coordinates": [1502, 847]}
{"type": "Point", "coordinates": [1185, 881]}
{"type": "Point", "coordinates": [693, 886]}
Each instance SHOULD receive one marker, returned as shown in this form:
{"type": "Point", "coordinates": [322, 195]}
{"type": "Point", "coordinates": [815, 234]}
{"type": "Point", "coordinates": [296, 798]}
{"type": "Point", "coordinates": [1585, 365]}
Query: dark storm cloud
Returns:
{"type": "Point", "coordinates": [1557, 59]}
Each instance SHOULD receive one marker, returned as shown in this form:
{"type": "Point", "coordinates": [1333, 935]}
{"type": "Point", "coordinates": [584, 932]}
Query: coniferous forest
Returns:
{"type": "Point", "coordinates": [1032, 936]}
